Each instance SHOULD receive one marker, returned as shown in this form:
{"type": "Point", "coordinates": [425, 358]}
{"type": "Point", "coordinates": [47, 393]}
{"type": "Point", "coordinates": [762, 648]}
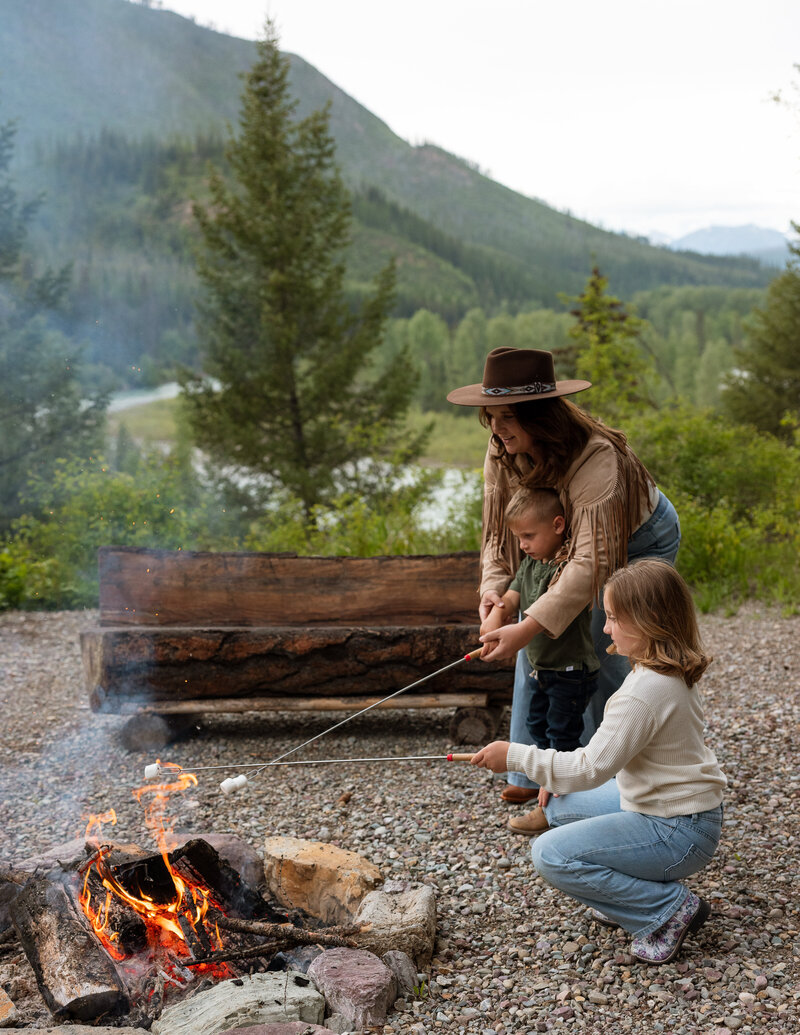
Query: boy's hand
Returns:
{"type": "Point", "coordinates": [489, 600]}
{"type": "Point", "coordinates": [494, 756]}
{"type": "Point", "coordinates": [544, 797]}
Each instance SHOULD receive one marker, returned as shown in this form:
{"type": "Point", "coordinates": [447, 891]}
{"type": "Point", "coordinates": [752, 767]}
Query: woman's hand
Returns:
{"type": "Point", "coordinates": [489, 600]}
{"type": "Point", "coordinates": [494, 756]}
{"type": "Point", "coordinates": [500, 644]}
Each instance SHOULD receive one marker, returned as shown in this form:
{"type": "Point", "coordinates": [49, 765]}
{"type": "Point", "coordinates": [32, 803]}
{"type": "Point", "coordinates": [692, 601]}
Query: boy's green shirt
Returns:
{"type": "Point", "coordinates": [573, 648]}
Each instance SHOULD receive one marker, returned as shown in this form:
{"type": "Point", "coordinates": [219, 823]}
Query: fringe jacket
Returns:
{"type": "Point", "coordinates": [603, 506]}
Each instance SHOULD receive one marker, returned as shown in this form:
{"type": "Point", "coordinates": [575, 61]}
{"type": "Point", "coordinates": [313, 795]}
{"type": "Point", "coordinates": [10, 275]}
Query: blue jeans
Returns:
{"type": "Point", "coordinates": [659, 536]}
{"type": "Point", "coordinates": [626, 864]}
{"type": "Point", "coordinates": [555, 719]}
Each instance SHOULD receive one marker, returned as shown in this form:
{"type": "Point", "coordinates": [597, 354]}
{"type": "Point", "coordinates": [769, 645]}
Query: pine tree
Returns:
{"type": "Point", "coordinates": [609, 354]}
{"type": "Point", "coordinates": [44, 413]}
{"type": "Point", "coordinates": [764, 387]}
{"type": "Point", "coordinates": [290, 387]}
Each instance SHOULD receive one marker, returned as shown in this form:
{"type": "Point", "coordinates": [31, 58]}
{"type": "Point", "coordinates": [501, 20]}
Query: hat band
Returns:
{"type": "Point", "coordinates": [537, 388]}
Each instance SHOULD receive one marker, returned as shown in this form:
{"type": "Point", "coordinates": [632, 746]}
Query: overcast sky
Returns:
{"type": "Point", "coordinates": [638, 115]}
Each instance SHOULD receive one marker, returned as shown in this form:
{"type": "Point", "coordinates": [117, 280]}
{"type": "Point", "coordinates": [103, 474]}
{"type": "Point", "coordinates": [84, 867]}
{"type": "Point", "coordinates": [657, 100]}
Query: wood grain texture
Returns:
{"type": "Point", "coordinates": [186, 588]}
{"type": "Point", "coordinates": [146, 666]}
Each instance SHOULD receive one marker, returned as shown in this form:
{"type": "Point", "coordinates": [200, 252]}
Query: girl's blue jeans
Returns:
{"type": "Point", "coordinates": [626, 864]}
{"type": "Point", "coordinates": [659, 536]}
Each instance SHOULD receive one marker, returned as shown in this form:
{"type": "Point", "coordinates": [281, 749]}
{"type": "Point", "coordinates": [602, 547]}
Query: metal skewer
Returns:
{"type": "Point", "coordinates": [317, 761]}
{"type": "Point", "coordinates": [237, 782]}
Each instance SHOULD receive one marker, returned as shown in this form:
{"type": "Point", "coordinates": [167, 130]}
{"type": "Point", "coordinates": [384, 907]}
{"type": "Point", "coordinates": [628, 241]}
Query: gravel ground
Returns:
{"type": "Point", "coordinates": [512, 954]}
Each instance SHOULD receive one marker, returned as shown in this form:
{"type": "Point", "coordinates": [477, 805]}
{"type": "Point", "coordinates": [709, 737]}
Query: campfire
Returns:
{"type": "Point", "coordinates": [127, 932]}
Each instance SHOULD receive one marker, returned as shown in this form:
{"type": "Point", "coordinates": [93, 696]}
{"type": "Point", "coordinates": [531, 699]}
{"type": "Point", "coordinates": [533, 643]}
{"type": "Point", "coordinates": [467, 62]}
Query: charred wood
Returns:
{"type": "Point", "coordinates": [76, 978]}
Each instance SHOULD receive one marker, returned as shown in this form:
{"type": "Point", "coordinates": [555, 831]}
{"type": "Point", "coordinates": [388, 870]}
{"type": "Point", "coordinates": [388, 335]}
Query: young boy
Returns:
{"type": "Point", "coordinates": [564, 669]}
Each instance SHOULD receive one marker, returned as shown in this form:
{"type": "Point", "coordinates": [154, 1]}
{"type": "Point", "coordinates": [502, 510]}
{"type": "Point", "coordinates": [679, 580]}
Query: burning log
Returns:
{"type": "Point", "coordinates": [122, 926]}
{"type": "Point", "coordinates": [76, 978]}
{"type": "Point", "coordinates": [199, 863]}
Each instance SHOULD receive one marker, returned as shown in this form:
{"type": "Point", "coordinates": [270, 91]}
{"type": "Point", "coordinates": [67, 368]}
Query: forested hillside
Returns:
{"type": "Point", "coordinates": [119, 108]}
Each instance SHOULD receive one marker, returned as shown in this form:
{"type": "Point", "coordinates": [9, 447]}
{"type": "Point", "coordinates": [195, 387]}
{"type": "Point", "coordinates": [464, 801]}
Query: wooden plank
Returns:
{"type": "Point", "coordinates": [151, 666]}
{"type": "Point", "coordinates": [223, 705]}
{"type": "Point", "coordinates": [185, 588]}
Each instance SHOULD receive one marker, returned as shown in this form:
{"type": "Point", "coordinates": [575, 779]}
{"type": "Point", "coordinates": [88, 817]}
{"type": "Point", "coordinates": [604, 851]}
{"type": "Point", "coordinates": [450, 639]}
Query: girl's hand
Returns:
{"type": "Point", "coordinates": [544, 797]}
{"type": "Point", "coordinates": [489, 600]}
{"type": "Point", "coordinates": [494, 756]}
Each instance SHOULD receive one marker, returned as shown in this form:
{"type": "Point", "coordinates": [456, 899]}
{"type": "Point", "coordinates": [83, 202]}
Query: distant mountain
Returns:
{"type": "Point", "coordinates": [107, 77]}
{"type": "Point", "coordinates": [769, 246]}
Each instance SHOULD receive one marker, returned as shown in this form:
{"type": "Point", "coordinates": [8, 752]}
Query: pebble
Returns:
{"type": "Point", "coordinates": [512, 955]}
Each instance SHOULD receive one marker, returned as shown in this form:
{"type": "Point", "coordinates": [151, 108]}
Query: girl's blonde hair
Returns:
{"type": "Point", "coordinates": [651, 597]}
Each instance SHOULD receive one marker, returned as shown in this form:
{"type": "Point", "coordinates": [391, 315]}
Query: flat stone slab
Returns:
{"type": "Point", "coordinates": [356, 985]}
{"type": "Point", "coordinates": [325, 881]}
{"type": "Point", "coordinates": [240, 1002]}
{"type": "Point", "coordinates": [282, 1028]}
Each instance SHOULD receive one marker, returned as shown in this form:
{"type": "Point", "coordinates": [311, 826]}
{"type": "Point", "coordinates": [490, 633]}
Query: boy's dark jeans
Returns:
{"type": "Point", "coordinates": [555, 719]}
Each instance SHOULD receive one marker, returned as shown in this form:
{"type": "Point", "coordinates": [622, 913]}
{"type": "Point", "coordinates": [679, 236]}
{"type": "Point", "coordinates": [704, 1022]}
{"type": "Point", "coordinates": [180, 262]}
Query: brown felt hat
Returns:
{"type": "Point", "coordinates": [516, 375]}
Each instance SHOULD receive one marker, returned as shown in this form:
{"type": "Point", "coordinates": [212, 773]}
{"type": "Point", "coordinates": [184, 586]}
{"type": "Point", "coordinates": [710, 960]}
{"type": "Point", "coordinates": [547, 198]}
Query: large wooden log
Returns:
{"type": "Point", "coordinates": [182, 587]}
{"type": "Point", "coordinates": [76, 978]}
{"type": "Point", "coordinates": [147, 666]}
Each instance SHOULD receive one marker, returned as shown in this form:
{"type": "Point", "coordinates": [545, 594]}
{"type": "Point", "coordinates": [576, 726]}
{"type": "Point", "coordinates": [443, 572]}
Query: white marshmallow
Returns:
{"type": "Point", "coordinates": [233, 783]}
{"type": "Point", "coordinates": [152, 771]}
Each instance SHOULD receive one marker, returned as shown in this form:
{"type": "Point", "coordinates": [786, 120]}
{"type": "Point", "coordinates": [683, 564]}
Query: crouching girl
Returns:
{"type": "Point", "coordinates": [640, 807]}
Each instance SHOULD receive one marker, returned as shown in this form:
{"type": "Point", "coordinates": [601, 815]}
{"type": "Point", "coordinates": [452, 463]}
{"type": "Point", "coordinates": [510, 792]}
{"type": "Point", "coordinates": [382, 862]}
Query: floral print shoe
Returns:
{"type": "Point", "coordinates": [662, 945]}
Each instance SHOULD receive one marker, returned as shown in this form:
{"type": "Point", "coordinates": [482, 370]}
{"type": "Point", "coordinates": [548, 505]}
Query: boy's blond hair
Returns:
{"type": "Point", "coordinates": [540, 504]}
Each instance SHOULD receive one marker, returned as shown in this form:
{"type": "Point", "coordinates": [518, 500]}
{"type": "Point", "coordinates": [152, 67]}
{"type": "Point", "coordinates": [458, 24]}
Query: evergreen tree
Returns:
{"type": "Point", "coordinates": [291, 388]}
{"type": "Point", "coordinates": [44, 414]}
{"type": "Point", "coordinates": [609, 355]}
{"type": "Point", "coordinates": [764, 387]}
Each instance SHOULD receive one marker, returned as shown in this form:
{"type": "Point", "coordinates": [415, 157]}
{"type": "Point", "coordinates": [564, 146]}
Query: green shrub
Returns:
{"type": "Point", "coordinates": [737, 493]}
{"type": "Point", "coordinates": [52, 559]}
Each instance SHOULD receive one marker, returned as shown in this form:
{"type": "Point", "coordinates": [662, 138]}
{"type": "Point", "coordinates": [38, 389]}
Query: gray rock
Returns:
{"type": "Point", "coordinates": [239, 1002]}
{"type": "Point", "coordinates": [404, 920]}
{"type": "Point", "coordinates": [355, 984]}
{"type": "Point", "coordinates": [282, 1028]}
{"type": "Point", "coordinates": [402, 966]}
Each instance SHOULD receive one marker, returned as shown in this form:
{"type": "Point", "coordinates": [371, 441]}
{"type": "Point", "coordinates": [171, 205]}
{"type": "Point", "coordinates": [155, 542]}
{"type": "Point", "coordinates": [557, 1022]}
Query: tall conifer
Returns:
{"type": "Point", "coordinates": [764, 387]}
{"type": "Point", "coordinates": [290, 387]}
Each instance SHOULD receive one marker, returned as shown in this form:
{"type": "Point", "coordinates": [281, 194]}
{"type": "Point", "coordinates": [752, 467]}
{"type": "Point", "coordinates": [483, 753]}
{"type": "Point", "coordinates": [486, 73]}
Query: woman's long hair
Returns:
{"type": "Point", "coordinates": [561, 430]}
{"type": "Point", "coordinates": [652, 598]}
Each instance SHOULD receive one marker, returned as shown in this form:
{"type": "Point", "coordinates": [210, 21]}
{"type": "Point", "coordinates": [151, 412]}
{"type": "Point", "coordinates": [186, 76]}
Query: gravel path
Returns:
{"type": "Point", "coordinates": [512, 955]}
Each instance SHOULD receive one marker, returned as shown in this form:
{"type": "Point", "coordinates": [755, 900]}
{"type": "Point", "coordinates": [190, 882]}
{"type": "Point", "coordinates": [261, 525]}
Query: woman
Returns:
{"type": "Point", "coordinates": [613, 508]}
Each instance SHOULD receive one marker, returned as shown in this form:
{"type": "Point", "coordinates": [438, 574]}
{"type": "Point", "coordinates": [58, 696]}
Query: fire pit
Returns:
{"type": "Point", "coordinates": [125, 932]}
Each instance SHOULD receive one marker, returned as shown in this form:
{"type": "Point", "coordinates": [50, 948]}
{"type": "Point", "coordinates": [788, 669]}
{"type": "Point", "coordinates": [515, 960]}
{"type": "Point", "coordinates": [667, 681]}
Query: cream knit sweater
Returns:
{"type": "Point", "coordinates": [651, 739]}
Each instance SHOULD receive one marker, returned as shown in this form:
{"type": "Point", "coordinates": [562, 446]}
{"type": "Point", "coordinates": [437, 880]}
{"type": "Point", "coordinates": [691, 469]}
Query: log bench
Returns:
{"type": "Point", "coordinates": [184, 633]}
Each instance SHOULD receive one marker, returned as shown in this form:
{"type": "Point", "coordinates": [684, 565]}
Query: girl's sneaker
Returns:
{"type": "Point", "coordinates": [662, 945]}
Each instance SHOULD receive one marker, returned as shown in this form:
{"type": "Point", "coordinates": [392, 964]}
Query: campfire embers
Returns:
{"type": "Point", "coordinates": [126, 932]}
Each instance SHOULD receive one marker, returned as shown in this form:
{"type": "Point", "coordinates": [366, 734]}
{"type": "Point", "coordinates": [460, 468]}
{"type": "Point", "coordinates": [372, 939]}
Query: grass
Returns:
{"type": "Point", "coordinates": [149, 423]}
{"type": "Point", "coordinates": [457, 440]}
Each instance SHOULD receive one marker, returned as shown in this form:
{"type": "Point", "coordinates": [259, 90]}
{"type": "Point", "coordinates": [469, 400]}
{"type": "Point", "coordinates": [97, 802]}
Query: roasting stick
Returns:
{"type": "Point", "coordinates": [166, 770]}
{"type": "Point", "coordinates": [235, 783]}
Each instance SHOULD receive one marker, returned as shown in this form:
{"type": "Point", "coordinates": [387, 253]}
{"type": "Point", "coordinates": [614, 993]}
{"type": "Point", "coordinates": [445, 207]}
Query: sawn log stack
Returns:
{"type": "Point", "coordinates": [184, 633]}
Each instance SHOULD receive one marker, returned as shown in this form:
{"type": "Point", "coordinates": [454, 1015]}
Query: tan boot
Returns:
{"type": "Point", "coordinates": [530, 824]}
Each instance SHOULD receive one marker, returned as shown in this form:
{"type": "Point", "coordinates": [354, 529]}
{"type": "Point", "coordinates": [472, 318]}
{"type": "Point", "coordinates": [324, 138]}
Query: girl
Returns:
{"type": "Point", "coordinates": [621, 846]}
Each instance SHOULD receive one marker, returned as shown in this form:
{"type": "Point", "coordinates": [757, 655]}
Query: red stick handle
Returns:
{"type": "Point", "coordinates": [473, 654]}
{"type": "Point", "coordinates": [459, 758]}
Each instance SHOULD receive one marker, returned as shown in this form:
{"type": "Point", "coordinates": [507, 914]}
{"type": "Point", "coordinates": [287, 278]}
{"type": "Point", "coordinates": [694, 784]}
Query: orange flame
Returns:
{"type": "Point", "coordinates": [189, 901]}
